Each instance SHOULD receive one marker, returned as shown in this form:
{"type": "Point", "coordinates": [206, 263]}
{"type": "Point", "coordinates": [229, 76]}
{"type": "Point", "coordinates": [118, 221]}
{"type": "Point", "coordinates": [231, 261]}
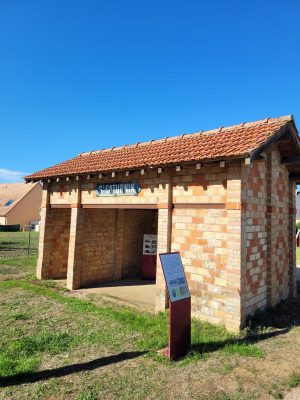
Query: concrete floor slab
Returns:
{"type": "Point", "coordinates": [135, 292]}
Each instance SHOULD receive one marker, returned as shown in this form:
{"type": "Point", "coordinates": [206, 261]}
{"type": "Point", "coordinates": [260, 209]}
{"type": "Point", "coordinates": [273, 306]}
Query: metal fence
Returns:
{"type": "Point", "coordinates": [19, 244]}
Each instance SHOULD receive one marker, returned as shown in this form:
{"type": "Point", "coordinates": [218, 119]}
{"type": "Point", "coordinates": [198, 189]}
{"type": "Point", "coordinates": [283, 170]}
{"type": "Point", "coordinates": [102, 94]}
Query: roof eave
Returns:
{"type": "Point", "coordinates": [290, 125]}
{"type": "Point", "coordinates": [182, 163]}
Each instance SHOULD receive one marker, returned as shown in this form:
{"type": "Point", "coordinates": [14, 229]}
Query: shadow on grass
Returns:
{"type": "Point", "coordinates": [31, 377]}
{"type": "Point", "coordinates": [263, 325]}
{"type": "Point", "coordinates": [284, 315]}
{"type": "Point", "coordinates": [210, 347]}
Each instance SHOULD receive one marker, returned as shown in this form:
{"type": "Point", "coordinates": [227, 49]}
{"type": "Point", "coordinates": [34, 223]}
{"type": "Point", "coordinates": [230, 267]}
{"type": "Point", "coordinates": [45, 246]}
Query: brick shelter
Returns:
{"type": "Point", "coordinates": [224, 198]}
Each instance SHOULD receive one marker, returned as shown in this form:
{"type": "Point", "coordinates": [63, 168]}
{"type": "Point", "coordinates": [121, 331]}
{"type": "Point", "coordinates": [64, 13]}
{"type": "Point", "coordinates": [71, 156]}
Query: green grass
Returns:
{"type": "Point", "coordinates": [21, 267]}
{"type": "Point", "coordinates": [15, 244]}
{"type": "Point", "coordinates": [24, 263]}
{"type": "Point", "coordinates": [88, 394]}
{"type": "Point", "coordinates": [24, 354]}
{"type": "Point", "coordinates": [293, 381]}
{"type": "Point", "coordinates": [12, 364]}
{"type": "Point", "coordinates": [20, 316]}
{"type": "Point", "coordinates": [17, 239]}
{"type": "Point", "coordinates": [150, 331]}
{"type": "Point", "coordinates": [244, 350]}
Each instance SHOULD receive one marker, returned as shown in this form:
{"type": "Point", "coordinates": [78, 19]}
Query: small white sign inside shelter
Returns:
{"type": "Point", "coordinates": [150, 245]}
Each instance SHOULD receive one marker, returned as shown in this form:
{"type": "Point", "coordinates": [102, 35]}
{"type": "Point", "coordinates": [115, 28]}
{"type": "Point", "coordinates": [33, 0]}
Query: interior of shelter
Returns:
{"type": "Point", "coordinates": [116, 244]}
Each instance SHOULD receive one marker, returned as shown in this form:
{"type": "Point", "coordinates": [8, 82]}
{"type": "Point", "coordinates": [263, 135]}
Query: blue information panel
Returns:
{"type": "Point", "coordinates": [175, 277]}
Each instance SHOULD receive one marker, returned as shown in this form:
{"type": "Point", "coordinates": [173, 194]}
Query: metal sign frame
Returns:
{"type": "Point", "coordinates": [175, 280]}
{"type": "Point", "coordinates": [179, 323]}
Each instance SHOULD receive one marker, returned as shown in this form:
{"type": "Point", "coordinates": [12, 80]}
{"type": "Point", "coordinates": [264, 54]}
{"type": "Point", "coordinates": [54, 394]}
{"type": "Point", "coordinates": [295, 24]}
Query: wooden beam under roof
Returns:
{"type": "Point", "coordinates": [285, 132]}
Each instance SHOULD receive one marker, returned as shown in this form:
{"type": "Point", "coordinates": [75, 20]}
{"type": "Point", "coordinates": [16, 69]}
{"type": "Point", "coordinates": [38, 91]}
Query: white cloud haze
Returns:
{"type": "Point", "coordinates": [8, 176]}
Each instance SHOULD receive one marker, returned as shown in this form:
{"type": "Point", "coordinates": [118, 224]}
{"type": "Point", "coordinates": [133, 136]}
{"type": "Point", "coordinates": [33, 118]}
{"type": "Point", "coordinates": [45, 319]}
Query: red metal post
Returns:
{"type": "Point", "coordinates": [179, 328]}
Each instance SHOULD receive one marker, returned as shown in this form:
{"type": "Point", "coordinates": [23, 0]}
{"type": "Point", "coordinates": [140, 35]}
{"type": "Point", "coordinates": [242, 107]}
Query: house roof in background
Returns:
{"type": "Point", "coordinates": [15, 192]}
{"type": "Point", "coordinates": [222, 143]}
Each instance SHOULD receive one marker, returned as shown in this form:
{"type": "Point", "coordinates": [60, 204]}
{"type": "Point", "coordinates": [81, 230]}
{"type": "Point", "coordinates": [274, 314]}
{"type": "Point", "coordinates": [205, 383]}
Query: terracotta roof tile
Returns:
{"type": "Point", "coordinates": [234, 141]}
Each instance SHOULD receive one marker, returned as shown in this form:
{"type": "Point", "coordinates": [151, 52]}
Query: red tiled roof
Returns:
{"type": "Point", "coordinates": [230, 142]}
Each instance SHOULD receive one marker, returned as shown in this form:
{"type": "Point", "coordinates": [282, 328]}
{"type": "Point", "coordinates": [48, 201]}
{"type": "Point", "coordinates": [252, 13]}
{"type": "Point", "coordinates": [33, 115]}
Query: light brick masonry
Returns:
{"type": "Point", "coordinates": [233, 226]}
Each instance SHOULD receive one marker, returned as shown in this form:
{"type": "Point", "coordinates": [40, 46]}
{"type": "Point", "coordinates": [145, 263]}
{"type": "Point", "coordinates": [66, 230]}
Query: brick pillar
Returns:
{"type": "Point", "coordinates": [233, 318]}
{"type": "Point", "coordinates": [119, 240]}
{"type": "Point", "coordinates": [164, 243]}
{"type": "Point", "coordinates": [162, 247]}
{"type": "Point", "coordinates": [292, 241]}
{"type": "Point", "coordinates": [270, 274]}
{"type": "Point", "coordinates": [279, 228]}
{"type": "Point", "coordinates": [76, 239]}
{"type": "Point", "coordinates": [75, 248]}
{"type": "Point", "coordinates": [43, 263]}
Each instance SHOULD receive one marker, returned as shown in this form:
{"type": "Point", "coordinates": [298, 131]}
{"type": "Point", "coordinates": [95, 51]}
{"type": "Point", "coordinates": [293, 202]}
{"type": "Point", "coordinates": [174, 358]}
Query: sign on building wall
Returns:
{"type": "Point", "coordinates": [149, 245]}
{"type": "Point", "coordinates": [174, 276]}
{"type": "Point", "coordinates": [118, 189]}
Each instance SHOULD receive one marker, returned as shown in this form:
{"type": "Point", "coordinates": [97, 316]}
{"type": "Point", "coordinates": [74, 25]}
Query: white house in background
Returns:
{"type": "Point", "coordinates": [20, 203]}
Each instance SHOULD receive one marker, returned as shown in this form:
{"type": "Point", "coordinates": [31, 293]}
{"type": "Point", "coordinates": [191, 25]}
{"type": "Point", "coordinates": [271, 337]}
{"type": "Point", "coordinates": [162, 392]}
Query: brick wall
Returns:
{"type": "Point", "coordinates": [209, 243]}
{"type": "Point", "coordinates": [136, 224]}
{"type": "Point", "coordinates": [63, 192]}
{"type": "Point", "coordinates": [268, 245]}
{"type": "Point", "coordinates": [291, 239]}
{"type": "Point", "coordinates": [98, 247]}
{"type": "Point", "coordinates": [278, 218]}
{"type": "Point", "coordinates": [200, 237]}
{"type": "Point", "coordinates": [54, 241]}
{"type": "Point", "coordinates": [255, 232]}
{"type": "Point", "coordinates": [152, 189]}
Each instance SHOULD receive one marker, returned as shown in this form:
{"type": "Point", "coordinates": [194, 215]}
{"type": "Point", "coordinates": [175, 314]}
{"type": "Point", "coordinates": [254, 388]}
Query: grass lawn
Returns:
{"type": "Point", "coordinates": [54, 345]}
{"type": "Point", "coordinates": [14, 244]}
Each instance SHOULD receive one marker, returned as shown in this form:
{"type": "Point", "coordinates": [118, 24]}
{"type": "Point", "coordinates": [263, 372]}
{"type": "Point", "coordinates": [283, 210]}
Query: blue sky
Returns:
{"type": "Point", "coordinates": [82, 75]}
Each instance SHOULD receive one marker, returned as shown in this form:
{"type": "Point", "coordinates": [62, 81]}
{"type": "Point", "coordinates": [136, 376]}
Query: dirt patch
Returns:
{"type": "Point", "coordinates": [293, 395]}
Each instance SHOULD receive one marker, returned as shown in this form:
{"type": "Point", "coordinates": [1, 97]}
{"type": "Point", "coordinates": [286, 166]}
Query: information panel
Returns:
{"type": "Point", "coordinates": [149, 245]}
{"type": "Point", "coordinates": [174, 276]}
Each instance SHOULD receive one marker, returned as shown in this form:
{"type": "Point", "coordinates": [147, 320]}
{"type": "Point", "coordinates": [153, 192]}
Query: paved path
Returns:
{"type": "Point", "coordinates": [139, 293]}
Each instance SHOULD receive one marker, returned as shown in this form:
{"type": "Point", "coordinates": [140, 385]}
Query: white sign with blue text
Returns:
{"type": "Point", "coordinates": [118, 189]}
{"type": "Point", "coordinates": [175, 277]}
